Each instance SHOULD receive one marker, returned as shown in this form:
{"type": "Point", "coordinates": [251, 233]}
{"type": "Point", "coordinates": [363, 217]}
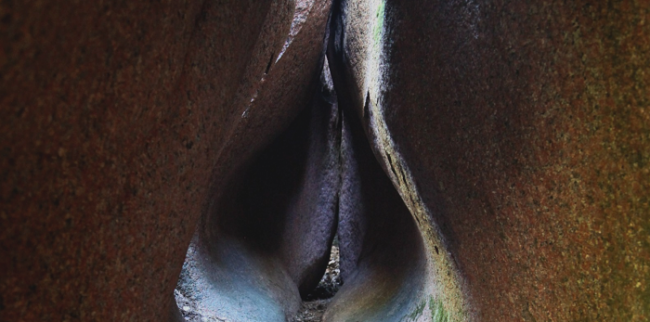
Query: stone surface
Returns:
{"type": "Point", "coordinates": [311, 217]}
{"type": "Point", "coordinates": [382, 254]}
{"type": "Point", "coordinates": [265, 238]}
{"type": "Point", "coordinates": [521, 131]}
{"type": "Point", "coordinates": [496, 166]}
{"type": "Point", "coordinates": [117, 118]}
{"type": "Point", "coordinates": [357, 53]}
{"type": "Point", "coordinates": [275, 227]}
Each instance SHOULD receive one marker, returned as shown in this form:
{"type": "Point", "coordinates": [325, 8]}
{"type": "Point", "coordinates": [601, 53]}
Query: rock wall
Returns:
{"type": "Point", "coordinates": [520, 132]}
{"type": "Point", "coordinates": [120, 120]}
{"type": "Point", "coordinates": [516, 137]}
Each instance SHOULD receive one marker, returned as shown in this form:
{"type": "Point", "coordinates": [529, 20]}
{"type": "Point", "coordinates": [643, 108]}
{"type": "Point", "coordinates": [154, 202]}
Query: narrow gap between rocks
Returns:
{"type": "Point", "coordinates": [314, 305]}
{"type": "Point", "coordinates": [311, 229]}
{"type": "Point", "coordinates": [311, 310]}
{"type": "Point", "coordinates": [314, 212]}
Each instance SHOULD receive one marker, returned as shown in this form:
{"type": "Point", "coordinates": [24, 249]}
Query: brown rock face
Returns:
{"type": "Point", "coordinates": [523, 128]}
{"type": "Point", "coordinates": [490, 160]}
{"type": "Point", "coordinates": [120, 121]}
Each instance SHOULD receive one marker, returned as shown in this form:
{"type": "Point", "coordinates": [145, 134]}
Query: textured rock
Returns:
{"type": "Point", "coordinates": [357, 54]}
{"type": "Point", "coordinates": [515, 135]}
{"type": "Point", "coordinates": [264, 240]}
{"type": "Point", "coordinates": [311, 220]}
{"type": "Point", "coordinates": [521, 131]}
{"type": "Point", "coordinates": [382, 253]}
{"type": "Point", "coordinates": [275, 227]}
{"type": "Point", "coordinates": [116, 119]}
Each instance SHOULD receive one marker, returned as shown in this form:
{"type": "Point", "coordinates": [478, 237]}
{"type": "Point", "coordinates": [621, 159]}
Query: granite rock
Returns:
{"type": "Point", "coordinates": [494, 161]}
{"type": "Point", "coordinates": [116, 119]}
{"type": "Point", "coordinates": [382, 255]}
{"type": "Point", "coordinates": [518, 134]}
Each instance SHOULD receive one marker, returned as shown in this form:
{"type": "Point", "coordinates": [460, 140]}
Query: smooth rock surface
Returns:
{"type": "Point", "coordinates": [522, 131]}
{"type": "Point", "coordinates": [264, 240]}
{"type": "Point", "coordinates": [382, 254]}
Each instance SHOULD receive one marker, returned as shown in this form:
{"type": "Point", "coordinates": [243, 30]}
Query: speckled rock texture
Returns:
{"type": "Point", "coordinates": [307, 163]}
{"type": "Point", "coordinates": [357, 53]}
{"type": "Point", "coordinates": [515, 134]}
{"type": "Point", "coordinates": [120, 123]}
{"type": "Point", "coordinates": [523, 130]}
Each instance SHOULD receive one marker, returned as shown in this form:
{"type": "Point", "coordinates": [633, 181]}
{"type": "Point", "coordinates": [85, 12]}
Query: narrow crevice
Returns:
{"type": "Point", "coordinates": [268, 66]}
{"type": "Point", "coordinates": [315, 304]}
{"type": "Point", "coordinates": [392, 167]}
{"type": "Point", "coordinates": [312, 229]}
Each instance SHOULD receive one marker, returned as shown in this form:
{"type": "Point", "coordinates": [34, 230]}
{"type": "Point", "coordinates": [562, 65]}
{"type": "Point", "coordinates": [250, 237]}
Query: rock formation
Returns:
{"type": "Point", "coordinates": [121, 122]}
{"type": "Point", "coordinates": [518, 133]}
{"type": "Point", "coordinates": [480, 161]}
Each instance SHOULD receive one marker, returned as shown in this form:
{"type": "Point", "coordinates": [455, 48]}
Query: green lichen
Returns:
{"type": "Point", "coordinates": [379, 22]}
{"type": "Point", "coordinates": [438, 312]}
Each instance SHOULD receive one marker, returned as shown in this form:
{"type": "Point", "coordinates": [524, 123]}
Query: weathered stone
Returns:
{"type": "Point", "coordinates": [311, 221]}
{"type": "Point", "coordinates": [520, 132]}
{"type": "Point", "coordinates": [116, 116]}
{"type": "Point", "coordinates": [512, 140]}
{"type": "Point", "coordinates": [264, 240]}
{"type": "Point", "coordinates": [383, 260]}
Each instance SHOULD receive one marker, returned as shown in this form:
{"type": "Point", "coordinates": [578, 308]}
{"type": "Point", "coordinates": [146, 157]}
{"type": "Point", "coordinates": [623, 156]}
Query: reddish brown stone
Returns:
{"type": "Point", "coordinates": [525, 126]}
{"type": "Point", "coordinates": [115, 119]}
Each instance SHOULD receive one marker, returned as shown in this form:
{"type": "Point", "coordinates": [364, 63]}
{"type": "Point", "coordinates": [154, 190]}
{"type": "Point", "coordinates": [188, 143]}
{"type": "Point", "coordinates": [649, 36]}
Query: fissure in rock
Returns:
{"type": "Point", "coordinates": [267, 241]}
